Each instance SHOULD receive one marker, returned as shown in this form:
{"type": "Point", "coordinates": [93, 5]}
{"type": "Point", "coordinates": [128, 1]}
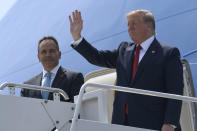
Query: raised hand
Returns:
{"type": "Point", "coordinates": [76, 24]}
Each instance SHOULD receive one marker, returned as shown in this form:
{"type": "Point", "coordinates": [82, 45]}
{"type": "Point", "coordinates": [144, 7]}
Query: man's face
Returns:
{"type": "Point", "coordinates": [48, 54]}
{"type": "Point", "coordinates": [137, 29]}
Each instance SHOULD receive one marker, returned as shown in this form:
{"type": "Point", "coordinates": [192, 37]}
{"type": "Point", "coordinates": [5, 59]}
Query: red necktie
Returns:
{"type": "Point", "coordinates": [135, 64]}
{"type": "Point", "coordinates": [136, 60]}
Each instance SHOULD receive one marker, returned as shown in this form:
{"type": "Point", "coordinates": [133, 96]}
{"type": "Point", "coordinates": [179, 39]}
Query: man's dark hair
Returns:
{"type": "Point", "coordinates": [48, 38]}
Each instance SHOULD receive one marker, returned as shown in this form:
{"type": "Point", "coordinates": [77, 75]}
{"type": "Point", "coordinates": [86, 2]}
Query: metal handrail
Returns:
{"type": "Point", "coordinates": [35, 87]}
{"type": "Point", "coordinates": [124, 89]}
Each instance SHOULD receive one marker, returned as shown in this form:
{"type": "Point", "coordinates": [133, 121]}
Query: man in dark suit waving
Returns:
{"type": "Point", "coordinates": [53, 75]}
{"type": "Point", "coordinates": [145, 64]}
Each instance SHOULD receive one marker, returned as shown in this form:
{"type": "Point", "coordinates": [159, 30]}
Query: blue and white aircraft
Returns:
{"type": "Point", "coordinates": [105, 27]}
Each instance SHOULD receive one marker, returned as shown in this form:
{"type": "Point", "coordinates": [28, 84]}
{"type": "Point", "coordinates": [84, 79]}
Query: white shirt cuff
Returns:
{"type": "Point", "coordinates": [172, 126]}
{"type": "Point", "coordinates": [75, 43]}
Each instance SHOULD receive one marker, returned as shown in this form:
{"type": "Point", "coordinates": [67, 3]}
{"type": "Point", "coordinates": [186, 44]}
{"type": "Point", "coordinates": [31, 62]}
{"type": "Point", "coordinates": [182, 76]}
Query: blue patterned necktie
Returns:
{"type": "Point", "coordinates": [46, 83]}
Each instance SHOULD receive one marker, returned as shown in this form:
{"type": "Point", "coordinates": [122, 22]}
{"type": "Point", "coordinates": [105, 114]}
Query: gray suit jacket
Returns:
{"type": "Point", "coordinates": [67, 80]}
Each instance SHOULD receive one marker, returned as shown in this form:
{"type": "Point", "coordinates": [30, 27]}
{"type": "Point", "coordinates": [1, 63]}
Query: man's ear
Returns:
{"type": "Point", "coordinates": [149, 25]}
{"type": "Point", "coordinates": [38, 57]}
{"type": "Point", "coordinates": [59, 54]}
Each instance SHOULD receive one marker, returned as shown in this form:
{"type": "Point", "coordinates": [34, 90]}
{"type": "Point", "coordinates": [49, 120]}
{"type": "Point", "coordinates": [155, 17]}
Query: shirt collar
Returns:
{"type": "Point", "coordinates": [53, 71]}
{"type": "Point", "coordinates": [145, 45]}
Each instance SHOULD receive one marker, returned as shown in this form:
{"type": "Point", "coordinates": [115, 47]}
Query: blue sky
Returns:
{"type": "Point", "coordinates": [5, 5]}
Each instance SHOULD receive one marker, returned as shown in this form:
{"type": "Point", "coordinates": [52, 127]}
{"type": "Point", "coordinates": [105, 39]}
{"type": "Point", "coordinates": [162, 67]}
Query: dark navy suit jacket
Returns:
{"type": "Point", "coordinates": [159, 70]}
{"type": "Point", "coordinates": [69, 81]}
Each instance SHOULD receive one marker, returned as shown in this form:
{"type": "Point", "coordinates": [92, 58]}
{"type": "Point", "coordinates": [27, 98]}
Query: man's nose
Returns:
{"type": "Point", "coordinates": [48, 53]}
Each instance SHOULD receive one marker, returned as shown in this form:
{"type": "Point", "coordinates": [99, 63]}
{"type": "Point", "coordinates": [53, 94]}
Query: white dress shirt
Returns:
{"type": "Point", "coordinates": [145, 45]}
{"type": "Point", "coordinates": [53, 74]}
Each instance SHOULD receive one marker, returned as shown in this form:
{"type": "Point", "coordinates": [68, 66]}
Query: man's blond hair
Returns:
{"type": "Point", "coordinates": [147, 17]}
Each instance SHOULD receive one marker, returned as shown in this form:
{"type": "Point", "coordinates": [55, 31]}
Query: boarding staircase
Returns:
{"type": "Point", "coordinates": [94, 107]}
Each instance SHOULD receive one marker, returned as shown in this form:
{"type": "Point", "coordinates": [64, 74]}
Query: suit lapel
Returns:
{"type": "Point", "coordinates": [147, 58]}
{"type": "Point", "coordinates": [59, 78]}
{"type": "Point", "coordinates": [38, 82]}
{"type": "Point", "coordinates": [129, 55]}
